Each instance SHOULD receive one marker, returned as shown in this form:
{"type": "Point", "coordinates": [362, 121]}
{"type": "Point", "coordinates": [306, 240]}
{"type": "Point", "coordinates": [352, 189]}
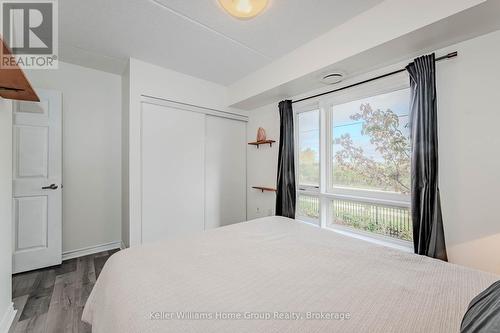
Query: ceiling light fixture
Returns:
{"type": "Point", "coordinates": [332, 78]}
{"type": "Point", "coordinates": [244, 9]}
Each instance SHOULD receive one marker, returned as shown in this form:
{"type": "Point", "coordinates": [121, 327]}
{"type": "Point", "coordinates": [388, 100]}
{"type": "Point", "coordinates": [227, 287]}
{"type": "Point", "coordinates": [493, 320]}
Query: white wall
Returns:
{"type": "Point", "coordinates": [5, 212]}
{"type": "Point", "coordinates": [91, 153]}
{"type": "Point", "coordinates": [468, 113]}
{"type": "Point", "coordinates": [468, 87]}
{"type": "Point", "coordinates": [262, 162]}
{"type": "Point", "coordinates": [149, 80]}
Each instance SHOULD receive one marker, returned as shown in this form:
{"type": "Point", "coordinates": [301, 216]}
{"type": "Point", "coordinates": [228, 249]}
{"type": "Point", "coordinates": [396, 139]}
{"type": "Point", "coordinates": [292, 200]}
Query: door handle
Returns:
{"type": "Point", "coordinates": [50, 187]}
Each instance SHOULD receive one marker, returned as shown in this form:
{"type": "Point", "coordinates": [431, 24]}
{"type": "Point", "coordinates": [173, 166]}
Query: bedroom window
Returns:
{"type": "Point", "coordinates": [308, 129]}
{"type": "Point", "coordinates": [368, 168]}
{"type": "Point", "coordinates": [371, 143]}
{"type": "Point", "coordinates": [369, 164]}
{"type": "Point", "coordinates": [354, 159]}
{"type": "Point", "coordinates": [308, 166]}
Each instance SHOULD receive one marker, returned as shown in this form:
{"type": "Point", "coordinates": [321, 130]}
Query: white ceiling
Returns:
{"type": "Point", "coordinates": [195, 37]}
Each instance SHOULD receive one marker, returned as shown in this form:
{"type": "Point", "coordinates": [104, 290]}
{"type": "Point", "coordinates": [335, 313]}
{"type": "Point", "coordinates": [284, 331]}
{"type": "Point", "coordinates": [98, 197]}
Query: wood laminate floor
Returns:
{"type": "Point", "coordinates": [51, 300]}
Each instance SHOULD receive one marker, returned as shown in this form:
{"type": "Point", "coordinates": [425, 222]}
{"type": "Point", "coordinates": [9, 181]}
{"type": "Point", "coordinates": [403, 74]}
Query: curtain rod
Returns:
{"type": "Point", "coordinates": [447, 56]}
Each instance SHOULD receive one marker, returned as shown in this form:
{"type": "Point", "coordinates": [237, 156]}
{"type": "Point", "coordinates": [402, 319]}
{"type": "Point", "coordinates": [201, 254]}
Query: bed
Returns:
{"type": "Point", "coordinates": [278, 275]}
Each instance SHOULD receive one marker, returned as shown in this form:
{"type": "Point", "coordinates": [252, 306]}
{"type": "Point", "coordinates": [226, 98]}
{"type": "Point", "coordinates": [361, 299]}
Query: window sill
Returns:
{"type": "Point", "coordinates": [307, 220]}
{"type": "Point", "coordinates": [397, 244]}
{"type": "Point", "coordinates": [402, 245]}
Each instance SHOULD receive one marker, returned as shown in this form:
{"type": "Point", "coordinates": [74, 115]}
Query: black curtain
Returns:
{"type": "Point", "coordinates": [285, 195]}
{"type": "Point", "coordinates": [428, 233]}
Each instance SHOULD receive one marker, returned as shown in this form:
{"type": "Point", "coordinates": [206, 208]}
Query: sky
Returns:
{"type": "Point", "coordinates": [397, 101]}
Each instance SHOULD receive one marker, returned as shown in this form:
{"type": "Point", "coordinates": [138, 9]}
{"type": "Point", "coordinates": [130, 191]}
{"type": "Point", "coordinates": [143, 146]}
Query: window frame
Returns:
{"type": "Point", "coordinates": [325, 192]}
{"type": "Point", "coordinates": [386, 86]}
{"type": "Point", "coordinates": [307, 190]}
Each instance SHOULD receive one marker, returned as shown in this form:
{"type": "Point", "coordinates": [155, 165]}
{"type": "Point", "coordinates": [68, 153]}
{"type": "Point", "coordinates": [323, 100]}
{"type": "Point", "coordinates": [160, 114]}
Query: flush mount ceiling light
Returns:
{"type": "Point", "coordinates": [244, 9]}
{"type": "Point", "coordinates": [332, 78]}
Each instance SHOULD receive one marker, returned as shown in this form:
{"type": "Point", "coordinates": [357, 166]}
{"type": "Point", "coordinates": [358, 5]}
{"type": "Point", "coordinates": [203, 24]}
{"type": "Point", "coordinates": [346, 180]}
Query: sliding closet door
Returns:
{"type": "Point", "coordinates": [173, 159]}
{"type": "Point", "coordinates": [225, 180]}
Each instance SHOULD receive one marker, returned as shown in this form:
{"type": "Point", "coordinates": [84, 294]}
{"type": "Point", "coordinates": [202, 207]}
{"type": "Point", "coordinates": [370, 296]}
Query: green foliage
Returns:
{"type": "Point", "coordinates": [355, 169]}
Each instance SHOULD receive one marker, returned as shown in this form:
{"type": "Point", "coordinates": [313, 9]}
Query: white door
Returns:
{"type": "Point", "coordinates": [173, 164]}
{"type": "Point", "coordinates": [37, 177]}
{"type": "Point", "coordinates": [225, 174]}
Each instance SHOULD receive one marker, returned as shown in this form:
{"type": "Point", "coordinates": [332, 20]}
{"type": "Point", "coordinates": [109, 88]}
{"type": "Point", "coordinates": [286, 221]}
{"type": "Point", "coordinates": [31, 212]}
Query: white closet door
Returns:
{"type": "Point", "coordinates": [173, 160]}
{"type": "Point", "coordinates": [225, 174]}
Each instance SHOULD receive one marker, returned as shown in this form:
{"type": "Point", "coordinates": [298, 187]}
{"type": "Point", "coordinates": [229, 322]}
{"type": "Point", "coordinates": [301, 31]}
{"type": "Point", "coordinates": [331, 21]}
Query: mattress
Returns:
{"type": "Point", "coordinates": [278, 275]}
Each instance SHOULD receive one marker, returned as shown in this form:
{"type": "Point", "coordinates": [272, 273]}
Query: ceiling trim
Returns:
{"type": "Point", "coordinates": [206, 27]}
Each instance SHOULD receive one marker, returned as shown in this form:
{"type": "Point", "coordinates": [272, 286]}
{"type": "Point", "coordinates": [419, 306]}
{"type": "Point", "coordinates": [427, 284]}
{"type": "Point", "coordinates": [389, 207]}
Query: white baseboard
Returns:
{"type": "Point", "coordinates": [91, 250]}
{"type": "Point", "coordinates": [123, 246]}
{"type": "Point", "coordinates": [7, 319]}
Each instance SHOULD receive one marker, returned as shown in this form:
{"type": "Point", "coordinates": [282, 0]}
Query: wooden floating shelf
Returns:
{"type": "Point", "coordinates": [264, 189]}
{"type": "Point", "coordinates": [263, 142]}
{"type": "Point", "coordinates": [13, 82]}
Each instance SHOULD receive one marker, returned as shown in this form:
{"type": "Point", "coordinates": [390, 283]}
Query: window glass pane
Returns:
{"type": "Point", "coordinates": [308, 136]}
{"type": "Point", "coordinates": [371, 145]}
{"type": "Point", "coordinates": [381, 219]}
{"type": "Point", "coordinates": [308, 206]}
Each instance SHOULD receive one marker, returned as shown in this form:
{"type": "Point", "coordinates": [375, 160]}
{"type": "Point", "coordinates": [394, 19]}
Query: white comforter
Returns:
{"type": "Point", "coordinates": [278, 275]}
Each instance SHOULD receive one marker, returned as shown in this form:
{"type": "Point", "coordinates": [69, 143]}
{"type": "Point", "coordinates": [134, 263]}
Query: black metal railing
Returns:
{"type": "Point", "coordinates": [381, 219]}
{"type": "Point", "coordinates": [385, 220]}
{"type": "Point", "coordinates": [308, 206]}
